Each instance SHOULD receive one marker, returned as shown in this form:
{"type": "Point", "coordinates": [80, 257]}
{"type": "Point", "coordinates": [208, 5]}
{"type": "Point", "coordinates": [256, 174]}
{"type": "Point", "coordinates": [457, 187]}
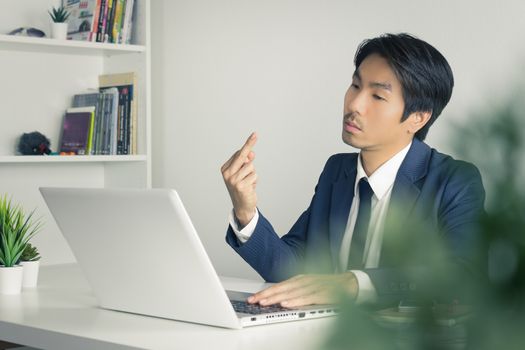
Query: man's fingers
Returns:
{"type": "Point", "coordinates": [276, 289]}
{"type": "Point", "coordinates": [243, 155]}
{"type": "Point", "coordinates": [297, 295]}
{"type": "Point", "coordinates": [228, 162]}
{"type": "Point", "coordinates": [248, 145]}
{"type": "Point", "coordinates": [246, 169]}
{"type": "Point", "coordinates": [244, 152]}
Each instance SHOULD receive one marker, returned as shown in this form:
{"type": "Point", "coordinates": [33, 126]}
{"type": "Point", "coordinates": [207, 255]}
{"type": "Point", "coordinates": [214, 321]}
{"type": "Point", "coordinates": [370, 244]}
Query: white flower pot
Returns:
{"type": "Point", "coordinates": [59, 31]}
{"type": "Point", "coordinates": [30, 277]}
{"type": "Point", "coordinates": [11, 279]}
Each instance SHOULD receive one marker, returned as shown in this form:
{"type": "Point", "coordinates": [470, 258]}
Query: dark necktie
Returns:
{"type": "Point", "coordinates": [357, 247]}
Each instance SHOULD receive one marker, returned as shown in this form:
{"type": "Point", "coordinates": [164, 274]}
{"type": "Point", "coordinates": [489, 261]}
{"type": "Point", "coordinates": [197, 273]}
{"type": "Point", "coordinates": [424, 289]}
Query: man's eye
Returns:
{"type": "Point", "coordinates": [377, 97]}
{"type": "Point", "coordinates": [354, 86]}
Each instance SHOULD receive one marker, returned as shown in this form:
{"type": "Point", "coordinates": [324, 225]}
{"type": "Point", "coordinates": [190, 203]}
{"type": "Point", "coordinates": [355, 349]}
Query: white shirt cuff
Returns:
{"type": "Point", "coordinates": [247, 231]}
{"type": "Point", "coordinates": [366, 292]}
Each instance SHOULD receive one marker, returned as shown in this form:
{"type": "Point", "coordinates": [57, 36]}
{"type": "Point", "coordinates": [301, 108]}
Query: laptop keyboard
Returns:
{"type": "Point", "coordinates": [255, 309]}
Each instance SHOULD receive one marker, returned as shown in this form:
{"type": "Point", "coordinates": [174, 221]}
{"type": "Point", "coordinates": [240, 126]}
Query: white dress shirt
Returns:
{"type": "Point", "coordinates": [381, 182]}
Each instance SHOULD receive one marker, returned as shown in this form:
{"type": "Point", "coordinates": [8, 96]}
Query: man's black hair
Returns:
{"type": "Point", "coordinates": [425, 75]}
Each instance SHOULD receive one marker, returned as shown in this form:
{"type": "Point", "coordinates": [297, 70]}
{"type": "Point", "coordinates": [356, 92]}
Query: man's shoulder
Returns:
{"type": "Point", "coordinates": [450, 169]}
{"type": "Point", "coordinates": [448, 165]}
{"type": "Point", "coordinates": [342, 161]}
{"type": "Point", "coordinates": [340, 164]}
{"type": "Point", "coordinates": [342, 157]}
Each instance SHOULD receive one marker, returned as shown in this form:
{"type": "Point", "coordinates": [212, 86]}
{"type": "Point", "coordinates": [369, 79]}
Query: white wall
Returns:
{"type": "Point", "coordinates": [224, 68]}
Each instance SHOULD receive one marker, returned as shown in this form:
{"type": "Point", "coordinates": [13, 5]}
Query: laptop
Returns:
{"type": "Point", "coordinates": [141, 254]}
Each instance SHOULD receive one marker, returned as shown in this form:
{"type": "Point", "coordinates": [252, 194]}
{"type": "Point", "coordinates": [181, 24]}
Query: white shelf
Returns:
{"type": "Point", "coordinates": [32, 44]}
{"type": "Point", "coordinates": [39, 78]}
{"type": "Point", "coordinates": [72, 159]}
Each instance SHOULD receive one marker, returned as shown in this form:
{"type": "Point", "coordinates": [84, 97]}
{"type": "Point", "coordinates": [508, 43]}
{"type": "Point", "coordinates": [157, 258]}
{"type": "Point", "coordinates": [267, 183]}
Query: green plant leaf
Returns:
{"type": "Point", "coordinates": [16, 229]}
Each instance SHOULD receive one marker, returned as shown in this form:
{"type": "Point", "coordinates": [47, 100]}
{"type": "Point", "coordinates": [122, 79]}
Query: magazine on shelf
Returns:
{"type": "Point", "coordinates": [82, 18]}
{"type": "Point", "coordinates": [77, 130]}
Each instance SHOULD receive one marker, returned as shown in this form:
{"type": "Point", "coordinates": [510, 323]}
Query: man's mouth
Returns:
{"type": "Point", "coordinates": [350, 126]}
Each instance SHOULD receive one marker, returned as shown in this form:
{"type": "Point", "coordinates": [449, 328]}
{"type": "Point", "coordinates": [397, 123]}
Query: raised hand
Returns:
{"type": "Point", "coordinates": [240, 178]}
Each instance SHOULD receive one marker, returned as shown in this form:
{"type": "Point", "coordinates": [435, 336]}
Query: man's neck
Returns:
{"type": "Point", "coordinates": [373, 159]}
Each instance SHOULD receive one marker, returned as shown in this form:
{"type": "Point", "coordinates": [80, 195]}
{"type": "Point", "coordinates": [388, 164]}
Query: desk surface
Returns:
{"type": "Point", "coordinates": [62, 313]}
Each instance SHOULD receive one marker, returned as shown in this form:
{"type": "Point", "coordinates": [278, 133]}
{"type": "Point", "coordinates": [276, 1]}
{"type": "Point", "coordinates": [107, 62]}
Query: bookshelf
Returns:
{"type": "Point", "coordinates": [46, 45]}
{"type": "Point", "coordinates": [73, 159]}
{"type": "Point", "coordinates": [39, 78]}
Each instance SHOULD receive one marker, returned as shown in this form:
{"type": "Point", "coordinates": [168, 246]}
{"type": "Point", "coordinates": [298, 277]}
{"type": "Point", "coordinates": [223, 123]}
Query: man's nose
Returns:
{"type": "Point", "coordinates": [356, 103]}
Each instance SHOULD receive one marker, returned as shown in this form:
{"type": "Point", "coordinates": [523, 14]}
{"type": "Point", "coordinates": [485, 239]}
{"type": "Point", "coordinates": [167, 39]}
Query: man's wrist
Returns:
{"type": "Point", "coordinates": [243, 217]}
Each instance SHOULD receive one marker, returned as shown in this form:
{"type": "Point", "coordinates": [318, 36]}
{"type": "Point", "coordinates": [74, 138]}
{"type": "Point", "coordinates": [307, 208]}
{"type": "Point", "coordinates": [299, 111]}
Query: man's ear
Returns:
{"type": "Point", "coordinates": [417, 120]}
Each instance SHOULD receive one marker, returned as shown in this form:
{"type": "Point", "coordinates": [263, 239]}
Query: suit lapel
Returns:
{"type": "Point", "coordinates": [406, 190]}
{"type": "Point", "coordinates": [404, 196]}
{"type": "Point", "coordinates": [341, 200]}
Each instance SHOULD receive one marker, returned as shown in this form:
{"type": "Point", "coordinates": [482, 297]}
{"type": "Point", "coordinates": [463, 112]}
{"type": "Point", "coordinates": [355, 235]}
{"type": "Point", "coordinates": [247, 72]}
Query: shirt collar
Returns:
{"type": "Point", "coordinates": [383, 178]}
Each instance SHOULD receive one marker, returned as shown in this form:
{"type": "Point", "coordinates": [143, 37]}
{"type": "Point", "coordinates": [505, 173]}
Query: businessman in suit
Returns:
{"type": "Point", "coordinates": [399, 88]}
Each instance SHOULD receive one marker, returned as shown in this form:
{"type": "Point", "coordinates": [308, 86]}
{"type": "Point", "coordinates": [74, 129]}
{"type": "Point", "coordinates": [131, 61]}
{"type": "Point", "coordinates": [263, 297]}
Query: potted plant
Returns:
{"type": "Point", "coordinates": [16, 229]}
{"type": "Point", "coordinates": [30, 261]}
{"type": "Point", "coordinates": [59, 26]}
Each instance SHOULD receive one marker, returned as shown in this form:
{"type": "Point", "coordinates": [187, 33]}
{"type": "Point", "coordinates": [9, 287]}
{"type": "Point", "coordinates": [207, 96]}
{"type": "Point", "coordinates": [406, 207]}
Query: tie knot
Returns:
{"type": "Point", "coordinates": [365, 191]}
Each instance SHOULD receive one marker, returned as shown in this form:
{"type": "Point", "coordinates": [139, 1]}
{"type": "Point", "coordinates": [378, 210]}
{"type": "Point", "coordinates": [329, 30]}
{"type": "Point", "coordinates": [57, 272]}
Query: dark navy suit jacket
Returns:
{"type": "Point", "coordinates": [435, 196]}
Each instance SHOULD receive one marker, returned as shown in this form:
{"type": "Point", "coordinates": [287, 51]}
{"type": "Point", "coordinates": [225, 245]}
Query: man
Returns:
{"type": "Point", "coordinates": [399, 88]}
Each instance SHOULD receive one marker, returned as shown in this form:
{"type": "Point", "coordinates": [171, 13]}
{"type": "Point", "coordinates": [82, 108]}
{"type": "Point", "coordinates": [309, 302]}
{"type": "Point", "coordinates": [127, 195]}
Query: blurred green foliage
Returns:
{"type": "Point", "coordinates": [494, 140]}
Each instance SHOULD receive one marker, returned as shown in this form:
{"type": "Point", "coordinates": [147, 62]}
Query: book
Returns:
{"type": "Point", "coordinates": [102, 20]}
{"type": "Point", "coordinates": [94, 29]}
{"type": "Point", "coordinates": [110, 118]}
{"type": "Point", "coordinates": [127, 109]}
{"type": "Point", "coordinates": [117, 21]}
{"type": "Point", "coordinates": [77, 130]}
{"type": "Point", "coordinates": [109, 21]}
{"type": "Point", "coordinates": [81, 21]}
{"type": "Point", "coordinates": [105, 121]}
{"type": "Point", "coordinates": [125, 35]}
{"type": "Point", "coordinates": [91, 99]}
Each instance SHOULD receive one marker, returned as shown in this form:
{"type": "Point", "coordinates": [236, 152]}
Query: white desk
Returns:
{"type": "Point", "coordinates": [62, 314]}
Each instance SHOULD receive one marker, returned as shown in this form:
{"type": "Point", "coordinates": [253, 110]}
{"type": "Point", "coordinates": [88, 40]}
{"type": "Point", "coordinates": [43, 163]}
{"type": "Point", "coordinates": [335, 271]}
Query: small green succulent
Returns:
{"type": "Point", "coordinates": [59, 15]}
{"type": "Point", "coordinates": [30, 253]}
{"type": "Point", "coordinates": [16, 229]}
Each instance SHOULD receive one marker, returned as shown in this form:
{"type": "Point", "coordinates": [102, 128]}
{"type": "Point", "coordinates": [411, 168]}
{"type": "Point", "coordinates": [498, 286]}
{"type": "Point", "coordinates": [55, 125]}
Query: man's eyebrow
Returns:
{"type": "Point", "coordinates": [384, 86]}
{"type": "Point", "coordinates": [374, 84]}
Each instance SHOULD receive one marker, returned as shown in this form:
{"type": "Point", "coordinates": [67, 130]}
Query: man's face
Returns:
{"type": "Point", "coordinates": [373, 108]}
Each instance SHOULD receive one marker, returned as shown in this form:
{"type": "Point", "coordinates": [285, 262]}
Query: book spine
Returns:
{"type": "Point", "coordinates": [126, 30]}
{"type": "Point", "coordinates": [89, 147]}
{"type": "Point", "coordinates": [107, 24]}
{"type": "Point", "coordinates": [114, 121]}
{"type": "Point", "coordinates": [128, 120]}
{"type": "Point", "coordinates": [108, 101]}
{"type": "Point", "coordinates": [99, 123]}
{"type": "Point", "coordinates": [134, 127]}
{"type": "Point", "coordinates": [122, 19]}
{"type": "Point", "coordinates": [94, 27]}
{"type": "Point", "coordinates": [120, 133]}
{"type": "Point", "coordinates": [101, 20]}
{"type": "Point", "coordinates": [117, 22]}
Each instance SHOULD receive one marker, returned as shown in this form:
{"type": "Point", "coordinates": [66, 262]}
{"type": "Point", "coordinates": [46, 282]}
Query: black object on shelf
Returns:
{"type": "Point", "coordinates": [34, 143]}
